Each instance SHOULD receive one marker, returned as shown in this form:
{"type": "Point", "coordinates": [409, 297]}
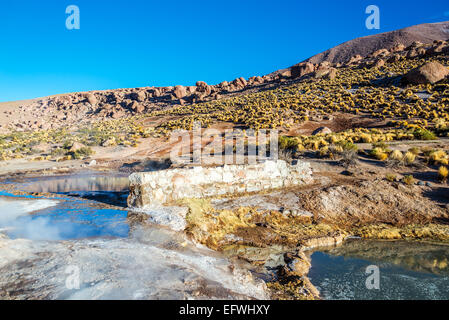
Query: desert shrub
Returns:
{"type": "Point", "coordinates": [409, 157]}
{"type": "Point", "coordinates": [67, 144]}
{"type": "Point", "coordinates": [82, 153]}
{"type": "Point", "coordinates": [381, 145]}
{"type": "Point", "coordinates": [416, 151]}
{"type": "Point", "coordinates": [443, 173]}
{"type": "Point", "coordinates": [438, 157]}
{"type": "Point", "coordinates": [423, 134]}
{"type": "Point", "coordinates": [347, 146]}
{"type": "Point", "coordinates": [288, 143]}
{"type": "Point", "coordinates": [396, 155]}
{"type": "Point", "coordinates": [391, 177]}
{"type": "Point", "coordinates": [349, 158]}
{"type": "Point", "coordinates": [427, 151]}
{"type": "Point", "coordinates": [379, 154]}
{"type": "Point", "coordinates": [409, 180]}
{"type": "Point", "coordinates": [286, 154]}
{"type": "Point", "coordinates": [58, 152]}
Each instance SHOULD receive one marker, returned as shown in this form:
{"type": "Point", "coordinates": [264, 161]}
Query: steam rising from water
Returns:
{"type": "Point", "coordinates": [152, 263]}
{"type": "Point", "coordinates": [16, 219]}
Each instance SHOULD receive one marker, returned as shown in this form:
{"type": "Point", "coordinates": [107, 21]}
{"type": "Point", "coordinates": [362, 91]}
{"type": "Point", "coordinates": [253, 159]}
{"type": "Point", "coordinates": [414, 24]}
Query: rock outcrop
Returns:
{"type": "Point", "coordinates": [430, 72]}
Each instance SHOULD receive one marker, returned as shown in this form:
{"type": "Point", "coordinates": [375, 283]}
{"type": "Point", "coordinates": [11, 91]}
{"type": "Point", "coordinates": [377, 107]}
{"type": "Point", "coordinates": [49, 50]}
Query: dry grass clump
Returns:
{"type": "Point", "coordinates": [379, 154]}
{"type": "Point", "coordinates": [396, 155]}
{"type": "Point", "coordinates": [409, 158]}
{"type": "Point", "coordinates": [409, 180]}
{"type": "Point", "coordinates": [213, 227]}
{"type": "Point", "coordinates": [443, 173]}
{"type": "Point", "coordinates": [436, 232]}
{"type": "Point", "coordinates": [438, 157]}
{"type": "Point", "coordinates": [391, 177]}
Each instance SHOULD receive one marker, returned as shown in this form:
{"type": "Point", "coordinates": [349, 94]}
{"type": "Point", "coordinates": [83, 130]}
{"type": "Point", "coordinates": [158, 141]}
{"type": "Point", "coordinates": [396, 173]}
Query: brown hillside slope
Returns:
{"type": "Point", "coordinates": [425, 33]}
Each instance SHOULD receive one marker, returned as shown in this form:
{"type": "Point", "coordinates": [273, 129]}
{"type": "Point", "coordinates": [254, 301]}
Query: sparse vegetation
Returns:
{"type": "Point", "coordinates": [443, 173]}
{"type": "Point", "coordinates": [391, 177]}
{"type": "Point", "coordinates": [409, 180]}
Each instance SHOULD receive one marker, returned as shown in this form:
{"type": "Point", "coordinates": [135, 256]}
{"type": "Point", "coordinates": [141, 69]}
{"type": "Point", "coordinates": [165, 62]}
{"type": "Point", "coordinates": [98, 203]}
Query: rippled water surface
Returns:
{"type": "Point", "coordinates": [407, 270]}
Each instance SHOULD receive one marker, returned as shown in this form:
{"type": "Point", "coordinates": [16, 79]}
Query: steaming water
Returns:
{"type": "Point", "coordinates": [49, 246]}
{"type": "Point", "coordinates": [408, 271]}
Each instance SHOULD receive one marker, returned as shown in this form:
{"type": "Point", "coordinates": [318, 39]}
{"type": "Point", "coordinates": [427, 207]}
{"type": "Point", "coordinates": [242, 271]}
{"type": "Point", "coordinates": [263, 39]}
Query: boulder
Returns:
{"type": "Point", "coordinates": [397, 48]}
{"type": "Point", "coordinates": [355, 59]}
{"type": "Point", "coordinates": [322, 130]}
{"type": "Point", "coordinates": [394, 58]}
{"type": "Point", "coordinates": [430, 72]}
{"type": "Point", "coordinates": [286, 74]}
{"type": "Point", "coordinates": [378, 63]}
{"type": "Point", "coordinates": [137, 107]}
{"type": "Point", "coordinates": [321, 72]}
{"type": "Point", "coordinates": [435, 49]}
{"type": "Point", "coordinates": [380, 53]}
{"type": "Point", "coordinates": [239, 83]}
{"type": "Point", "coordinates": [139, 96]}
{"type": "Point", "coordinates": [302, 69]}
{"type": "Point", "coordinates": [223, 85]}
{"type": "Point", "coordinates": [258, 79]}
{"type": "Point", "coordinates": [91, 99]}
{"type": "Point", "coordinates": [201, 86]}
{"type": "Point", "coordinates": [180, 92]}
{"type": "Point", "coordinates": [156, 92]}
{"type": "Point", "coordinates": [202, 90]}
{"type": "Point", "coordinates": [117, 113]}
{"type": "Point", "coordinates": [332, 74]}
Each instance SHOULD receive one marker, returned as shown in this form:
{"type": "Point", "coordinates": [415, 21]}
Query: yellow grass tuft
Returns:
{"type": "Point", "coordinates": [443, 173]}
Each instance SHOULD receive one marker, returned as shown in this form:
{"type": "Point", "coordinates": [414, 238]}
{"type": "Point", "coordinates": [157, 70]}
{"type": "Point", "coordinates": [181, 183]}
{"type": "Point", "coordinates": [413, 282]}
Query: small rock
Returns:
{"type": "Point", "coordinates": [92, 163]}
{"type": "Point", "coordinates": [347, 173]}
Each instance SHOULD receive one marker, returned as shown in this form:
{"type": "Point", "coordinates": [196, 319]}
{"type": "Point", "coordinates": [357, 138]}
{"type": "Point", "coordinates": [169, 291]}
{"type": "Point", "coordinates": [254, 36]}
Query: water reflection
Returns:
{"type": "Point", "coordinates": [78, 182]}
{"type": "Point", "coordinates": [112, 189]}
{"type": "Point", "coordinates": [408, 270]}
{"type": "Point", "coordinates": [44, 219]}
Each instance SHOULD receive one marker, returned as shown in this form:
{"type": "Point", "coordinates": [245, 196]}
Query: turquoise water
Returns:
{"type": "Point", "coordinates": [81, 211]}
{"type": "Point", "coordinates": [407, 271]}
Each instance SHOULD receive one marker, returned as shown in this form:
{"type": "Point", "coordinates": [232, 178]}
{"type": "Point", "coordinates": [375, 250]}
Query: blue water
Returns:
{"type": "Point", "coordinates": [407, 271]}
{"type": "Point", "coordinates": [83, 209]}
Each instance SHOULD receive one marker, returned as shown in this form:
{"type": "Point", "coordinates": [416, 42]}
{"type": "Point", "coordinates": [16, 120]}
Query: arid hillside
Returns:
{"type": "Point", "coordinates": [73, 110]}
{"type": "Point", "coordinates": [425, 33]}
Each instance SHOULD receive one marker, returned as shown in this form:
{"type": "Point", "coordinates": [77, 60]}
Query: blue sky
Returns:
{"type": "Point", "coordinates": [136, 43]}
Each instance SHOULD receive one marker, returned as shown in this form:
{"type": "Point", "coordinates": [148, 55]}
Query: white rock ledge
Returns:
{"type": "Point", "coordinates": [153, 189]}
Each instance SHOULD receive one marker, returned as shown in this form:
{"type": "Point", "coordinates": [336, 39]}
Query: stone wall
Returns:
{"type": "Point", "coordinates": [149, 189]}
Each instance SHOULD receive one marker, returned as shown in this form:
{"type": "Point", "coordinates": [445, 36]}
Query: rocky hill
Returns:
{"type": "Point", "coordinates": [74, 109]}
{"type": "Point", "coordinates": [424, 33]}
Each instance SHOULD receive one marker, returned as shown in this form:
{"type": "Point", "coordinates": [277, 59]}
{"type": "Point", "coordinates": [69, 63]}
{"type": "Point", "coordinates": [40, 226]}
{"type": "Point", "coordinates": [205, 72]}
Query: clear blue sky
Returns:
{"type": "Point", "coordinates": [136, 43]}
